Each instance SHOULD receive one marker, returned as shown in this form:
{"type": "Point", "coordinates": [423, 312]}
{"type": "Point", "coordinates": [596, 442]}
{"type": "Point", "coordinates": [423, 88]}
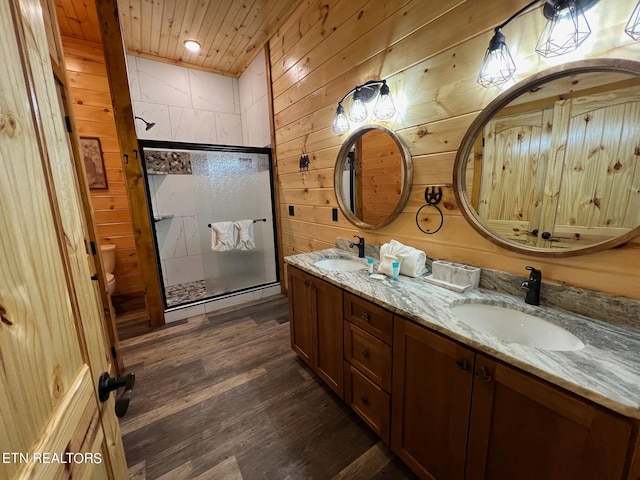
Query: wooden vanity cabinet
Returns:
{"type": "Point", "coordinates": [368, 354]}
{"type": "Point", "coordinates": [315, 321]}
{"type": "Point", "coordinates": [448, 412]}
{"type": "Point", "coordinates": [368, 400]}
{"type": "Point", "coordinates": [368, 332]}
{"type": "Point", "coordinates": [432, 380]}
{"type": "Point", "coordinates": [373, 319]}
{"type": "Point", "coordinates": [457, 414]}
{"type": "Point", "coordinates": [525, 428]}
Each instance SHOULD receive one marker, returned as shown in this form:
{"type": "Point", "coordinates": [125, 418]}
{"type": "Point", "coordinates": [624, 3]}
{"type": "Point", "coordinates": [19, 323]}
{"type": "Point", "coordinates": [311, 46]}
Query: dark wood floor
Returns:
{"type": "Point", "coordinates": [223, 396]}
{"type": "Point", "coordinates": [132, 318]}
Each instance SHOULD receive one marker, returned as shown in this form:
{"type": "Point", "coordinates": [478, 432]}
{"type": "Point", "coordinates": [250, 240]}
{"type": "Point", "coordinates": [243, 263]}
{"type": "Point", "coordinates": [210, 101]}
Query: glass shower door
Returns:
{"type": "Point", "coordinates": [192, 186]}
{"type": "Point", "coordinates": [230, 186]}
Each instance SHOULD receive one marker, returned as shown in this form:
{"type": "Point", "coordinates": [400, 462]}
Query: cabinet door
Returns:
{"type": "Point", "coordinates": [300, 314]}
{"type": "Point", "coordinates": [327, 311]}
{"type": "Point", "coordinates": [523, 428]}
{"type": "Point", "coordinates": [431, 397]}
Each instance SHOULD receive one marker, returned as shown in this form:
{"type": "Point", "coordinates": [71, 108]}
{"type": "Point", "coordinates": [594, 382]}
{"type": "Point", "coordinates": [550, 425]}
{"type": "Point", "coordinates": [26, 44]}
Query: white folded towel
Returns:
{"type": "Point", "coordinates": [386, 264]}
{"type": "Point", "coordinates": [413, 260]}
{"type": "Point", "coordinates": [244, 235]}
{"type": "Point", "coordinates": [222, 236]}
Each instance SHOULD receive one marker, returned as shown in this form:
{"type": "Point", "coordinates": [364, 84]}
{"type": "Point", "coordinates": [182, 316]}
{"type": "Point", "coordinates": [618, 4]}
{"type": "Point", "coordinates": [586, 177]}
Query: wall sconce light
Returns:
{"type": "Point", "coordinates": [383, 110]}
{"type": "Point", "coordinates": [566, 27]}
{"type": "Point", "coordinates": [633, 25]}
{"type": "Point", "coordinates": [304, 163]}
{"type": "Point", "coordinates": [565, 30]}
{"type": "Point", "coordinates": [149, 125]}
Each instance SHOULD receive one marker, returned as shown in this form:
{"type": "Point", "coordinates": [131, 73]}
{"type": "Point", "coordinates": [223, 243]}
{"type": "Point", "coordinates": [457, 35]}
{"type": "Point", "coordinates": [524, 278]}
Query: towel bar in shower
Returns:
{"type": "Point", "coordinates": [254, 221]}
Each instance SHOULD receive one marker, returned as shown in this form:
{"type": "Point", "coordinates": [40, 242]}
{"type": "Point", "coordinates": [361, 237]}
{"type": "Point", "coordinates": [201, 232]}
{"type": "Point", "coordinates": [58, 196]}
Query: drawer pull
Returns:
{"type": "Point", "coordinates": [462, 365]}
{"type": "Point", "coordinates": [364, 400]}
{"type": "Point", "coordinates": [365, 316]}
{"type": "Point", "coordinates": [483, 375]}
{"type": "Point", "coordinates": [365, 353]}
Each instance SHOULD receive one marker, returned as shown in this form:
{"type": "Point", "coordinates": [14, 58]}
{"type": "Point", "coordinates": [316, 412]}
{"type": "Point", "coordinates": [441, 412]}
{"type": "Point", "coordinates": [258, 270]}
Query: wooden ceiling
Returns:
{"type": "Point", "coordinates": [231, 32]}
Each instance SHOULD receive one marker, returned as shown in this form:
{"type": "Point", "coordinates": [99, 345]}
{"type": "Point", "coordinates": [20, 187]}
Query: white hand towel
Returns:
{"type": "Point", "coordinates": [244, 234]}
{"type": "Point", "coordinates": [413, 260]}
{"type": "Point", "coordinates": [222, 236]}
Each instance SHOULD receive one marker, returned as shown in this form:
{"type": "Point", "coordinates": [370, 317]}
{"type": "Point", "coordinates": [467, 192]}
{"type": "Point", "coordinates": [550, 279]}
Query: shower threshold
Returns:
{"type": "Point", "coordinates": [190, 293]}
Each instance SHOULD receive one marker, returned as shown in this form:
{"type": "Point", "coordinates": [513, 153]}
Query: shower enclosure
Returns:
{"type": "Point", "coordinates": [190, 187]}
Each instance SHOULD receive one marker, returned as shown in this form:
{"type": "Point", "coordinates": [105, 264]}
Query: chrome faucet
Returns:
{"type": "Point", "coordinates": [532, 286]}
{"type": "Point", "coordinates": [360, 246]}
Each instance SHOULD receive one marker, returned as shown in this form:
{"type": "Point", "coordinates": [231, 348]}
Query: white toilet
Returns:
{"type": "Point", "coordinates": [108, 253]}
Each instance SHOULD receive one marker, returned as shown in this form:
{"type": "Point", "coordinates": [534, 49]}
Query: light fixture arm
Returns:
{"type": "Point", "coordinates": [370, 83]}
{"type": "Point", "coordinates": [524, 9]}
{"type": "Point", "coordinates": [384, 109]}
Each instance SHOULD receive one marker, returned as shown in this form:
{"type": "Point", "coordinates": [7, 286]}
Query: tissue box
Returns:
{"type": "Point", "coordinates": [454, 276]}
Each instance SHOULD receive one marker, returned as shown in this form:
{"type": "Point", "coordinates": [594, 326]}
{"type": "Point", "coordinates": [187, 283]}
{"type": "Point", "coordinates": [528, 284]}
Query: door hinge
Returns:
{"type": "Point", "coordinates": [94, 276]}
{"type": "Point", "coordinates": [93, 247]}
{"type": "Point", "coordinates": [114, 352]}
{"type": "Point", "coordinates": [67, 121]}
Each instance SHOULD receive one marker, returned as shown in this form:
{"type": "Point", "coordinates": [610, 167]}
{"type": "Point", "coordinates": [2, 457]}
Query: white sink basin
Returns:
{"type": "Point", "coordinates": [340, 264]}
{"type": "Point", "coordinates": [513, 326]}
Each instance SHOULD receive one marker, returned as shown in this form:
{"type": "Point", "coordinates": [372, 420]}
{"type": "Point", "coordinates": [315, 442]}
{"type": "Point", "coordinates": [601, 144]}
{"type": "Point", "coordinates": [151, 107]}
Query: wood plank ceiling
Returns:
{"type": "Point", "coordinates": [231, 32]}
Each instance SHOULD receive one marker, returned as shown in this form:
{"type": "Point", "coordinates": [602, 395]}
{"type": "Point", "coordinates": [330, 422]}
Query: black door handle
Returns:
{"type": "Point", "coordinates": [106, 385]}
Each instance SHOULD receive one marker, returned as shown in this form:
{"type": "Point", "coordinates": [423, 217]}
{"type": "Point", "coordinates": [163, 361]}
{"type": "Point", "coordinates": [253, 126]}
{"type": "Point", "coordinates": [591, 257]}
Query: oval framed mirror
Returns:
{"type": "Point", "coordinates": [372, 178]}
{"type": "Point", "coordinates": [551, 167]}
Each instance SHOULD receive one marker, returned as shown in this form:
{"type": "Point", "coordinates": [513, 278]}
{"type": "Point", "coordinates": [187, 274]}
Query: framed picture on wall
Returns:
{"type": "Point", "coordinates": [93, 162]}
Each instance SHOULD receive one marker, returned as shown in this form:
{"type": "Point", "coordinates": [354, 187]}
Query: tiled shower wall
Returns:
{"type": "Point", "coordinates": [178, 237]}
{"type": "Point", "coordinates": [254, 106]}
{"type": "Point", "coordinates": [193, 106]}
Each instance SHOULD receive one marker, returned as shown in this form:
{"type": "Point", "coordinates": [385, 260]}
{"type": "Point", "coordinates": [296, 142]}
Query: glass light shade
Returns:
{"type": "Point", "coordinates": [633, 25]}
{"type": "Point", "coordinates": [498, 66]}
{"type": "Point", "coordinates": [192, 46]}
{"type": "Point", "coordinates": [565, 31]}
{"type": "Point", "coordinates": [340, 122]}
{"type": "Point", "coordinates": [384, 109]}
{"type": "Point", "coordinates": [358, 111]}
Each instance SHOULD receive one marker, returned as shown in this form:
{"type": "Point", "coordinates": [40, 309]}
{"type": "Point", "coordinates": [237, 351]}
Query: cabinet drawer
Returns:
{"type": "Point", "coordinates": [371, 318]}
{"type": "Point", "coordinates": [368, 400]}
{"type": "Point", "coordinates": [368, 354]}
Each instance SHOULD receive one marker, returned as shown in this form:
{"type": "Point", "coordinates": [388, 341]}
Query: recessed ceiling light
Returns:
{"type": "Point", "coordinates": [192, 45]}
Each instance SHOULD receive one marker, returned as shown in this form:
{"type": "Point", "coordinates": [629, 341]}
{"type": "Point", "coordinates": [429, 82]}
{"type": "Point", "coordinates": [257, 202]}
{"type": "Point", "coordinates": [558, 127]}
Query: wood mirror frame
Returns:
{"type": "Point", "coordinates": [530, 87]}
{"type": "Point", "coordinates": [404, 182]}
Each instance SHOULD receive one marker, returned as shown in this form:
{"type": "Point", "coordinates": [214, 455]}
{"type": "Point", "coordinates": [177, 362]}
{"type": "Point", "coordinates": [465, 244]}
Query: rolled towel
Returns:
{"type": "Point", "coordinates": [222, 236]}
{"type": "Point", "coordinates": [413, 263]}
{"type": "Point", "coordinates": [413, 260]}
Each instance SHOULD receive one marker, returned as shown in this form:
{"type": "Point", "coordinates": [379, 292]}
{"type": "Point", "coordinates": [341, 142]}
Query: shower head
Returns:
{"type": "Point", "coordinates": [149, 125]}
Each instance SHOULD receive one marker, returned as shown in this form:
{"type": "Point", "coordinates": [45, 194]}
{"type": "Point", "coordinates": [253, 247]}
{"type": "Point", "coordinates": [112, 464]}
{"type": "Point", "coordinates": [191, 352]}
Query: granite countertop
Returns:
{"type": "Point", "coordinates": [606, 371]}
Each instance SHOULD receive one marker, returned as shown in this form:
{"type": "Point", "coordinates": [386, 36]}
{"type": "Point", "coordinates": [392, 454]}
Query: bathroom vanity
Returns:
{"type": "Point", "coordinates": [454, 402]}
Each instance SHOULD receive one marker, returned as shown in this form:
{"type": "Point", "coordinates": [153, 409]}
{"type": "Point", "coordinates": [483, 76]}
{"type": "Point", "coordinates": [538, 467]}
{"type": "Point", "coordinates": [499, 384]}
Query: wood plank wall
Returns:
{"type": "Point", "coordinates": [430, 54]}
{"type": "Point", "coordinates": [94, 118]}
